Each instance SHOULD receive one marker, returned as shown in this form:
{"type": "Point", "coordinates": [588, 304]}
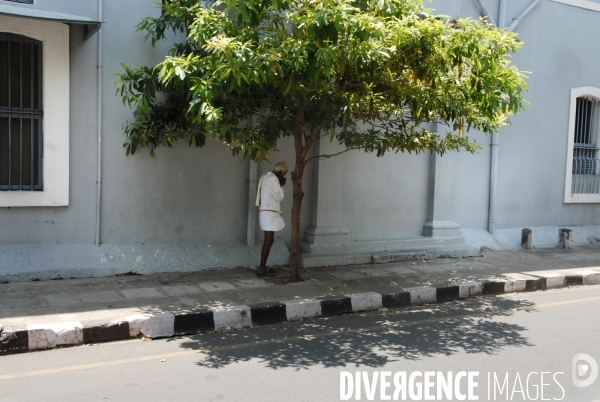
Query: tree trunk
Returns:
{"type": "Point", "coordinates": [298, 194]}
{"type": "Point", "coordinates": [296, 253]}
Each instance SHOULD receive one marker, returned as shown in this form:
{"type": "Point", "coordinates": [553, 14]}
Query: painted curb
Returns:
{"type": "Point", "coordinates": [166, 324]}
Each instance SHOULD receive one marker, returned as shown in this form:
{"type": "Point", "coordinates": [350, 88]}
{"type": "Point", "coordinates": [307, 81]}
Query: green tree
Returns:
{"type": "Point", "coordinates": [368, 74]}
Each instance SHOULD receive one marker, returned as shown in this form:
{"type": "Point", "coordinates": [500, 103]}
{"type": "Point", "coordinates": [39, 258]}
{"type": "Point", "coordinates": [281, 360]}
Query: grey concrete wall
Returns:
{"type": "Point", "coordinates": [533, 150]}
{"type": "Point", "coordinates": [184, 195]}
{"type": "Point", "coordinates": [472, 177]}
{"type": "Point", "coordinates": [73, 224]}
{"type": "Point", "coordinates": [200, 196]}
{"type": "Point", "coordinates": [384, 198]}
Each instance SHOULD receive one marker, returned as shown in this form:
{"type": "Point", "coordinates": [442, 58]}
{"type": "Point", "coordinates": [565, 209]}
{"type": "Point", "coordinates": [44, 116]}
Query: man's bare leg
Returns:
{"type": "Point", "coordinates": [266, 249]}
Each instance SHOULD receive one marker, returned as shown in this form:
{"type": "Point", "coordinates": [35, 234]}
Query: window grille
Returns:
{"type": "Point", "coordinates": [21, 113]}
{"type": "Point", "coordinates": [586, 173]}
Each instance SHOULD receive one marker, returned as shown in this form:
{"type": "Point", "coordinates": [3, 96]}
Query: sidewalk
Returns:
{"type": "Point", "coordinates": [43, 315]}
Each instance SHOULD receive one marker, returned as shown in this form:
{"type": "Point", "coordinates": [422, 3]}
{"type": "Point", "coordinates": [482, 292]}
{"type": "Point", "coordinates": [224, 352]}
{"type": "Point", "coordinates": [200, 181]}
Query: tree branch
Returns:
{"type": "Point", "coordinates": [328, 156]}
{"type": "Point", "coordinates": [309, 141]}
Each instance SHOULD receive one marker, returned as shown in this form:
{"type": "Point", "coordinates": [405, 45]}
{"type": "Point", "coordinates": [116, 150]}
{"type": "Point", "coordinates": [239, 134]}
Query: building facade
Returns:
{"type": "Point", "coordinates": [72, 204]}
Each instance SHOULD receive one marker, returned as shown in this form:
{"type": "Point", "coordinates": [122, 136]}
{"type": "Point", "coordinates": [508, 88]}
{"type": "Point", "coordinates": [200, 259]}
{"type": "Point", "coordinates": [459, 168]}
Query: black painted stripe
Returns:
{"type": "Point", "coordinates": [333, 305]}
{"type": "Point", "coordinates": [493, 287]}
{"type": "Point", "coordinates": [573, 280]}
{"type": "Point", "coordinates": [447, 293]}
{"type": "Point", "coordinates": [14, 340]}
{"type": "Point", "coordinates": [533, 284]}
{"type": "Point", "coordinates": [395, 299]}
{"type": "Point", "coordinates": [268, 313]}
{"type": "Point", "coordinates": [190, 322]}
{"type": "Point", "coordinates": [105, 332]}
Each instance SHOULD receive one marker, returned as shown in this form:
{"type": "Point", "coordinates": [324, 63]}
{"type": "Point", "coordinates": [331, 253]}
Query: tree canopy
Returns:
{"type": "Point", "coordinates": [366, 73]}
{"type": "Point", "coordinates": [369, 72]}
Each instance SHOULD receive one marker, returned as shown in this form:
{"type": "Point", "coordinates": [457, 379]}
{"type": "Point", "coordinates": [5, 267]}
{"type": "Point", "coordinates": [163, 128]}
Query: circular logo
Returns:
{"type": "Point", "coordinates": [584, 370]}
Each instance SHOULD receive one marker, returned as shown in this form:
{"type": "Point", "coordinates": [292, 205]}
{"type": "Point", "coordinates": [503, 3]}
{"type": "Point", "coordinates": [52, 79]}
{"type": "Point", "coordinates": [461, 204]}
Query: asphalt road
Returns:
{"type": "Point", "coordinates": [526, 342]}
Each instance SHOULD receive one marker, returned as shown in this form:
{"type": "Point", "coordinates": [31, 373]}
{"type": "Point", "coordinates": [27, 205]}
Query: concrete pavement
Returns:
{"type": "Point", "coordinates": [45, 314]}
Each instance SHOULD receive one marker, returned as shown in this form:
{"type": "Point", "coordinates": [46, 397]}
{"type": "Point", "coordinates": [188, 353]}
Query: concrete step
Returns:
{"type": "Point", "coordinates": [382, 245]}
{"type": "Point", "coordinates": [384, 256]}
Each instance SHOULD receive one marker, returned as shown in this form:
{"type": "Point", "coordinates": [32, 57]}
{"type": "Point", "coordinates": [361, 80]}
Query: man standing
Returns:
{"type": "Point", "coordinates": [269, 196]}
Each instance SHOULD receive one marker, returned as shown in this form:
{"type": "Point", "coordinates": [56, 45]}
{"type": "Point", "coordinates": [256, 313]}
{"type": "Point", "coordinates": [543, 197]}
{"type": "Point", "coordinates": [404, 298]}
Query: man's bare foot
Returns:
{"type": "Point", "coordinates": [269, 273]}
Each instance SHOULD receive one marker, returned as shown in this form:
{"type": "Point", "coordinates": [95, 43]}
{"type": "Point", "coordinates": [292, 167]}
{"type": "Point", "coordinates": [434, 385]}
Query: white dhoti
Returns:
{"type": "Point", "coordinates": [271, 221]}
{"type": "Point", "coordinates": [268, 197]}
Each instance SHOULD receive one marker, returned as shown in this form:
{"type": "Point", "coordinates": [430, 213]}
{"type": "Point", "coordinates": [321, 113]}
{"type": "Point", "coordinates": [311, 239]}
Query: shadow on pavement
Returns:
{"type": "Point", "coordinates": [370, 339]}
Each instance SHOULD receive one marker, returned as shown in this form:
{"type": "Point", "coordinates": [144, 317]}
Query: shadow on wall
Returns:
{"type": "Point", "coordinates": [353, 341]}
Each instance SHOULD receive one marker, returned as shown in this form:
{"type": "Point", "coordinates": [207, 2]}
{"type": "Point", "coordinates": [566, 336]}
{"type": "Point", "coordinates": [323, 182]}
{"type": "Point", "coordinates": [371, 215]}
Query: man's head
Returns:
{"type": "Point", "coordinates": [280, 169]}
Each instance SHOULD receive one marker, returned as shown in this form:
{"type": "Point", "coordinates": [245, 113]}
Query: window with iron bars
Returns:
{"type": "Point", "coordinates": [21, 113]}
{"type": "Point", "coordinates": [585, 171]}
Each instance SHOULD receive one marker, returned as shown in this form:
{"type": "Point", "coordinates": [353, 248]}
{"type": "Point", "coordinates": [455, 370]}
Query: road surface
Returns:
{"type": "Point", "coordinates": [510, 347]}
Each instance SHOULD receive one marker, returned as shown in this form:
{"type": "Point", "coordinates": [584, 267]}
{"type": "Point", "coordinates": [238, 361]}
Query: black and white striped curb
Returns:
{"type": "Point", "coordinates": [159, 325]}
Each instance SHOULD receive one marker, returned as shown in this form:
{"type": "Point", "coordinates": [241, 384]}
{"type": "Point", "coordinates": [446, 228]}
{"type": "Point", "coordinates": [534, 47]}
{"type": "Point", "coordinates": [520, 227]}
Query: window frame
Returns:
{"type": "Point", "coordinates": [55, 41]}
{"type": "Point", "coordinates": [569, 197]}
{"type": "Point", "coordinates": [23, 114]}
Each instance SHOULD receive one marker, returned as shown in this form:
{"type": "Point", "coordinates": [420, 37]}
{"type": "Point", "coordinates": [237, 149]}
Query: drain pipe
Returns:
{"type": "Point", "coordinates": [502, 14]}
{"type": "Point", "coordinates": [518, 20]}
{"type": "Point", "coordinates": [494, 147]}
{"type": "Point", "coordinates": [495, 136]}
{"type": "Point", "coordinates": [99, 117]}
{"type": "Point", "coordinates": [485, 12]}
{"type": "Point", "coordinates": [493, 183]}
{"type": "Point", "coordinates": [252, 183]}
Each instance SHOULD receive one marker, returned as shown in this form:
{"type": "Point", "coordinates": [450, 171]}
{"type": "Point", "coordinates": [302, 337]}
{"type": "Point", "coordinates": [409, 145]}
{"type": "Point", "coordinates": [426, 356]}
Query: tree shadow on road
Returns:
{"type": "Point", "coordinates": [372, 339]}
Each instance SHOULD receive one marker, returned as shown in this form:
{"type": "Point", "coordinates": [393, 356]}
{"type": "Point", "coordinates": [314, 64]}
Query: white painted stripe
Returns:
{"type": "Point", "coordinates": [553, 281]}
{"type": "Point", "coordinates": [422, 295]}
{"type": "Point", "coordinates": [469, 289]}
{"type": "Point", "coordinates": [47, 336]}
{"type": "Point", "coordinates": [590, 277]}
{"type": "Point", "coordinates": [232, 317]}
{"type": "Point", "coordinates": [152, 325]}
{"type": "Point", "coordinates": [365, 301]}
{"type": "Point", "coordinates": [515, 285]}
{"type": "Point", "coordinates": [302, 308]}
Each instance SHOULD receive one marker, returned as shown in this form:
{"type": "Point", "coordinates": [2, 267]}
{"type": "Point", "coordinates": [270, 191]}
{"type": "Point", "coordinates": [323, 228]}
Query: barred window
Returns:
{"type": "Point", "coordinates": [585, 159]}
{"type": "Point", "coordinates": [21, 113]}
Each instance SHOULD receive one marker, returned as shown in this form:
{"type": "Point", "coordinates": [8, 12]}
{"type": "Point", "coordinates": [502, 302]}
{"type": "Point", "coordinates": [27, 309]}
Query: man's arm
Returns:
{"type": "Point", "coordinates": [275, 189]}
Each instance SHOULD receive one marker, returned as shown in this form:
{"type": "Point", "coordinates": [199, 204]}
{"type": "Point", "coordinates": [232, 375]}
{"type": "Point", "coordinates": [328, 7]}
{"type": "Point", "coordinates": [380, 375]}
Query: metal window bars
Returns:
{"type": "Point", "coordinates": [21, 113]}
{"type": "Point", "coordinates": [586, 165]}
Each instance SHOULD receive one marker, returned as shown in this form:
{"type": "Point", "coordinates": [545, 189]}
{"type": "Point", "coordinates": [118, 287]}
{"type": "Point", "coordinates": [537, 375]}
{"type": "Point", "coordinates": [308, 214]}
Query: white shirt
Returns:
{"type": "Point", "coordinates": [270, 193]}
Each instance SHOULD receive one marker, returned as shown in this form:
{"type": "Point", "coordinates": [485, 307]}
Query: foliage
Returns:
{"type": "Point", "coordinates": [368, 73]}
